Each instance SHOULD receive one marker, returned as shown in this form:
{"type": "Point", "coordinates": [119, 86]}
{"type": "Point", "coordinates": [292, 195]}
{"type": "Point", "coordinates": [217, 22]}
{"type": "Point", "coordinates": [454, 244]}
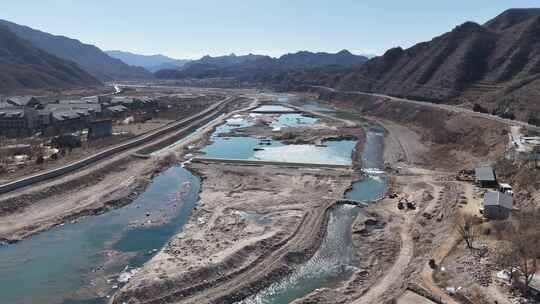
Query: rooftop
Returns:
{"type": "Point", "coordinates": [69, 114]}
{"type": "Point", "coordinates": [496, 198]}
{"type": "Point", "coordinates": [92, 107]}
{"type": "Point", "coordinates": [20, 100]}
{"type": "Point", "coordinates": [117, 109]}
{"type": "Point", "coordinates": [11, 113]}
{"type": "Point", "coordinates": [484, 174]}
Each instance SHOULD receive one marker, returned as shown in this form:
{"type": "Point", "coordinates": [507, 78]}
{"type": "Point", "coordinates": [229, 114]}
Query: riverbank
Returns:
{"type": "Point", "coordinates": [254, 224]}
{"type": "Point", "coordinates": [110, 184]}
{"type": "Point", "coordinates": [424, 150]}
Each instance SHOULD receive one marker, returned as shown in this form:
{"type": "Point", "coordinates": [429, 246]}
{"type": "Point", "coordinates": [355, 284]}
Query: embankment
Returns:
{"type": "Point", "coordinates": [452, 137]}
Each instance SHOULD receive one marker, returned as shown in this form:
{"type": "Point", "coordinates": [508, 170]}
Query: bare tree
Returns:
{"type": "Point", "coordinates": [506, 258]}
{"type": "Point", "coordinates": [468, 229]}
{"type": "Point", "coordinates": [520, 252]}
{"type": "Point", "coordinates": [525, 241]}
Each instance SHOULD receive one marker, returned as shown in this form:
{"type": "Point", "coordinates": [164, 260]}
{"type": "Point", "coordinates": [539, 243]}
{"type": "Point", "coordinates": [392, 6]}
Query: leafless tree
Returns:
{"type": "Point", "coordinates": [525, 241]}
{"type": "Point", "coordinates": [520, 252]}
{"type": "Point", "coordinates": [468, 228]}
{"type": "Point", "coordinates": [506, 258]}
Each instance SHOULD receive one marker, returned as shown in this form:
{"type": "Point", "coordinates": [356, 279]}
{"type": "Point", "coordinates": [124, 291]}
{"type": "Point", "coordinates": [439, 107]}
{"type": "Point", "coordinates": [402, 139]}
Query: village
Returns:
{"type": "Point", "coordinates": [40, 132]}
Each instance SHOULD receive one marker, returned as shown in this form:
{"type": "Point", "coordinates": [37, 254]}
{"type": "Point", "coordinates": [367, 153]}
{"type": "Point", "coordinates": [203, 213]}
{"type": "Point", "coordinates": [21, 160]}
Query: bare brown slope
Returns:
{"type": "Point", "coordinates": [432, 70]}
{"type": "Point", "coordinates": [23, 66]}
{"type": "Point", "coordinates": [88, 57]}
{"type": "Point", "coordinates": [496, 65]}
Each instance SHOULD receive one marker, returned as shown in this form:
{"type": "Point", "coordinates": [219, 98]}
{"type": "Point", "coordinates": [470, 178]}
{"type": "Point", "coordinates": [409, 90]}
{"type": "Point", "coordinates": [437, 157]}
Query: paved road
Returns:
{"type": "Point", "coordinates": [99, 156]}
{"type": "Point", "coordinates": [445, 107]}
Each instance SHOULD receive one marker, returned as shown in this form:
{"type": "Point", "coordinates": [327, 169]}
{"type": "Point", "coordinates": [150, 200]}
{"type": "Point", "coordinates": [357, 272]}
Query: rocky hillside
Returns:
{"type": "Point", "coordinates": [88, 57]}
{"type": "Point", "coordinates": [24, 66]}
{"type": "Point", "coordinates": [303, 60]}
{"type": "Point", "coordinates": [152, 63]}
{"type": "Point", "coordinates": [495, 66]}
{"type": "Point", "coordinates": [254, 68]}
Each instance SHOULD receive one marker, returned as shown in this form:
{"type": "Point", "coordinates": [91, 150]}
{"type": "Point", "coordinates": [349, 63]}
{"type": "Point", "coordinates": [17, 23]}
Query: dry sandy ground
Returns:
{"type": "Point", "coordinates": [252, 224]}
{"type": "Point", "coordinates": [399, 243]}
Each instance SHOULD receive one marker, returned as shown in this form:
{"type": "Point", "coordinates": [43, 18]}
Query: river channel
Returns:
{"type": "Point", "coordinates": [68, 263]}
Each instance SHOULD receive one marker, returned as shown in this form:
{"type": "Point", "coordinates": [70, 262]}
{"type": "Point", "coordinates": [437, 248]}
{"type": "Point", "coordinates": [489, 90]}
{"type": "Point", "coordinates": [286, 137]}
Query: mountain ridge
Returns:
{"type": "Point", "coordinates": [24, 66]}
{"type": "Point", "coordinates": [241, 66]}
{"type": "Point", "coordinates": [152, 63]}
{"type": "Point", "coordinates": [495, 65]}
{"type": "Point", "coordinates": [89, 57]}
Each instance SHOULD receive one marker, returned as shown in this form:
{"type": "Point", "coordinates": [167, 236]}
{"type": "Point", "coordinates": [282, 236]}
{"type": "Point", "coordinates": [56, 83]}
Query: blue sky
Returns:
{"type": "Point", "coordinates": [191, 29]}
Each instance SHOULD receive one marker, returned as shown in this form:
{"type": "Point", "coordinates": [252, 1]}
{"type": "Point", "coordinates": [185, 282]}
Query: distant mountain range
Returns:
{"type": "Point", "coordinates": [495, 65]}
{"type": "Point", "coordinates": [243, 67]}
{"type": "Point", "coordinates": [152, 63]}
{"type": "Point", "coordinates": [23, 66]}
{"type": "Point", "coordinates": [88, 57]}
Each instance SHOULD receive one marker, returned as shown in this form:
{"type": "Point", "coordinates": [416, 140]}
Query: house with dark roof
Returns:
{"type": "Point", "coordinates": [118, 111]}
{"type": "Point", "coordinates": [144, 102]}
{"type": "Point", "coordinates": [96, 99]}
{"type": "Point", "coordinates": [485, 177]}
{"type": "Point", "coordinates": [70, 120]}
{"type": "Point", "coordinates": [23, 101]}
{"type": "Point", "coordinates": [497, 205]}
{"type": "Point", "coordinates": [18, 122]}
{"type": "Point", "coordinates": [125, 101]}
{"type": "Point", "coordinates": [93, 109]}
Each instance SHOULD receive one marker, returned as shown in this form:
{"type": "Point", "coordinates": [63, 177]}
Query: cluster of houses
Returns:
{"type": "Point", "coordinates": [26, 116]}
{"type": "Point", "coordinates": [498, 199]}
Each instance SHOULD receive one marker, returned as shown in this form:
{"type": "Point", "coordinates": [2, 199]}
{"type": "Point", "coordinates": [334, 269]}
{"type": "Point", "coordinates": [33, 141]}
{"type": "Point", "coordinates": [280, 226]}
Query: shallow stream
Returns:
{"type": "Point", "coordinates": [68, 263]}
{"type": "Point", "coordinates": [335, 260]}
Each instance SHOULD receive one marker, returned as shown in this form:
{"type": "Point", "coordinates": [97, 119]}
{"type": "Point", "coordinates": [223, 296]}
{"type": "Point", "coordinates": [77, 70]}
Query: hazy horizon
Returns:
{"type": "Point", "coordinates": [190, 30]}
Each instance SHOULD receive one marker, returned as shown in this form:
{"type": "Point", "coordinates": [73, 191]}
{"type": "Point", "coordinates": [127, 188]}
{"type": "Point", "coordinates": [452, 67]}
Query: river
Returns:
{"type": "Point", "coordinates": [68, 263]}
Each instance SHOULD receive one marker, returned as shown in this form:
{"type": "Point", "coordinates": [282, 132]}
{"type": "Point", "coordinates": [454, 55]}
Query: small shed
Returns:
{"type": "Point", "coordinates": [485, 177]}
{"type": "Point", "coordinates": [497, 205]}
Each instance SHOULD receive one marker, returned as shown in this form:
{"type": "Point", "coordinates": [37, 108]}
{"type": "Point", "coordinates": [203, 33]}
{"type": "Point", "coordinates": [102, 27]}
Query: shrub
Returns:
{"type": "Point", "coordinates": [479, 108]}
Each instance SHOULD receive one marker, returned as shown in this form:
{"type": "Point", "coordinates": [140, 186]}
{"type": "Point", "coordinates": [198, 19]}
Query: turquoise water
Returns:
{"type": "Point", "coordinates": [312, 105]}
{"type": "Point", "coordinates": [231, 124]}
{"type": "Point", "coordinates": [292, 120]}
{"type": "Point", "coordinates": [334, 152]}
{"type": "Point", "coordinates": [334, 261]}
{"type": "Point", "coordinates": [54, 266]}
{"type": "Point", "coordinates": [374, 186]}
{"type": "Point", "coordinates": [273, 108]}
{"type": "Point", "coordinates": [244, 147]}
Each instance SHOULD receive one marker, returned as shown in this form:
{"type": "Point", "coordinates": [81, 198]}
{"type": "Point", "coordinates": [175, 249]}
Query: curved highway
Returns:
{"type": "Point", "coordinates": [445, 107]}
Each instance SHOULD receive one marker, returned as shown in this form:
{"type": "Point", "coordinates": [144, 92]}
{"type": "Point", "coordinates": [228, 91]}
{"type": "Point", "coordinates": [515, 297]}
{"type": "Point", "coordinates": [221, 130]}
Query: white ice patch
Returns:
{"type": "Point", "coordinates": [302, 154]}
{"type": "Point", "coordinates": [124, 277]}
{"type": "Point", "coordinates": [372, 171]}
